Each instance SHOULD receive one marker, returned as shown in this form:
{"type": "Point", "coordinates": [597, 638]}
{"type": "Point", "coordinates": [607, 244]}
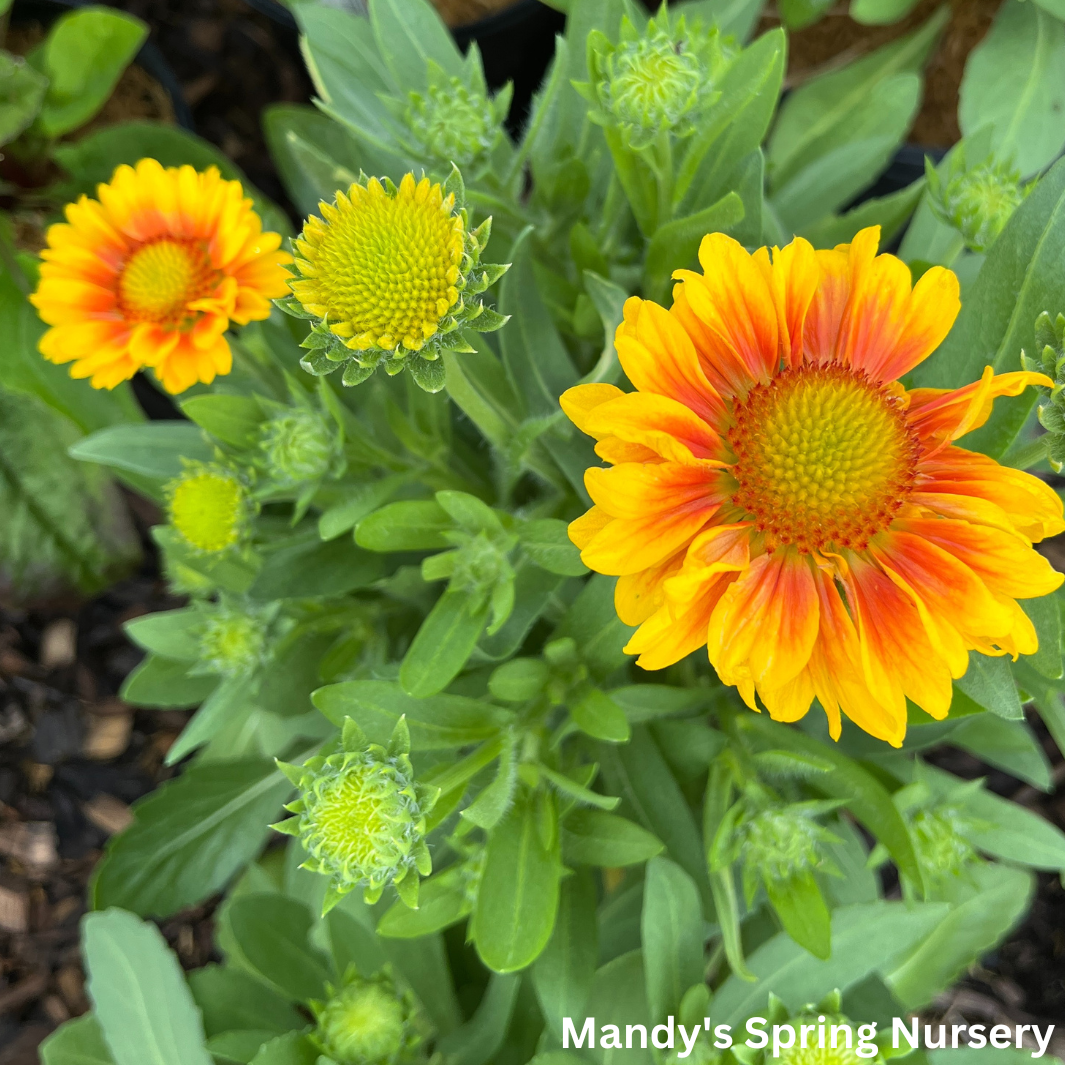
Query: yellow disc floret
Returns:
{"type": "Point", "coordinates": [382, 267]}
{"type": "Point", "coordinates": [823, 457]}
{"type": "Point", "coordinates": [208, 506]}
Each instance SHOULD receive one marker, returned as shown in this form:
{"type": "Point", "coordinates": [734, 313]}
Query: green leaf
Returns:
{"type": "Point", "coordinates": [218, 709]}
{"type": "Point", "coordinates": [989, 683]}
{"type": "Point", "coordinates": [83, 57]}
{"type": "Point", "coordinates": [534, 591]}
{"type": "Point", "coordinates": [798, 14]}
{"type": "Point", "coordinates": [1009, 745]}
{"type": "Point", "coordinates": [638, 773]}
{"type": "Point", "coordinates": [519, 680]}
{"type": "Point", "coordinates": [22, 91]}
{"type": "Point", "coordinates": [306, 567]}
{"type": "Point", "coordinates": [93, 158]}
{"type": "Point", "coordinates": [481, 1038]}
{"type": "Point", "coordinates": [270, 932]}
{"type": "Point", "coordinates": [737, 124]}
{"type": "Point", "coordinates": [537, 364]}
{"type": "Point", "coordinates": [562, 975]}
{"type": "Point", "coordinates": [595, 837]}
{"type": "Point", "coordinates": [672, 935]}
{"type": "Point", "coordinates": [189, 837]}
{"type": "Point", "coordinates": [987, 912]}
{"type": "Point", "coordinates": [880, 12]}
{"type": "Point", "coordinates": [443, 644]}
{"type": "Point", "coordinates": [865, 797]}
{"type": "Point", "coordinates": [230, 572]}
{"type": "Point", "coordinates": [675, 244]}
{"type": "Point", "coordinates": [163, 683]}
{"type": "Point", "coordinates": [866, 938]}
{"type": "Point", "coordinates": [890, 212]}
{"type": "Point", "coordinates": [77, 1042]}
{"type": "Point", "coordinates": [140, 999]}
{"type": "Point", "coordinates": [231, 998]}
{"type": "Point", "coordinates": [238, 1047]}
{"type": "Point", "coordinates": [648, 702]}
{"type": "Point", "coordinates": [799, 904]}
{"type": "Point", "coordinates": [232, 419]}
{"type": "Point", "coordinates": [443, 900]}
{"type": "Point", "coordinates": [518, 897]}
{"type": "Point", "coordinates": [548, 544]}
{"type": "Point", "coordinates": [292, 1048]}
{"type": "Point", "coordinates": [1011, 83]}
{"type": "Point", "coordinates": [439, 723]}
{"type": "Point", "coordinates": [412, 525]}
{"type": "Point", "coordinates": [1023, 274]}
{"type": "Point", "coordinates": [1045, 615]}
{"type": "Point", "coordinates": [357, 503]}
{"type": "Point", "coordinates": [313, 153]}
{"type": "Point", "coordinates": [841, 107]}
{"type": "Point", "coordinates": [154, 449]}
{"type": "Point", "coordinates": [409, 34]}
{"type": "Point", "coordinates": [594, 624]}
{"type": "Point", "coordinates": [64, 525]}
{"type": "Point", "coordinates": [597, 715]}
{"type": "Point", "coordinates": [171, 633]}
{"type": "Point", "coordinates": [478, 384]}
{"type": "Point", "coordinates": [618, 997]}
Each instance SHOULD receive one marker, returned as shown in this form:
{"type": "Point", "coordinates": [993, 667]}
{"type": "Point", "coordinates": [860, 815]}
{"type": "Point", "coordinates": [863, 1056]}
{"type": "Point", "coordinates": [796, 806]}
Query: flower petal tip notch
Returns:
{"type": "Point", "coordinates": [775, 494]}
{"type": "Point", "coordinates": [389, 276]}
{"type": "Point", "coordinates": [151, 273]}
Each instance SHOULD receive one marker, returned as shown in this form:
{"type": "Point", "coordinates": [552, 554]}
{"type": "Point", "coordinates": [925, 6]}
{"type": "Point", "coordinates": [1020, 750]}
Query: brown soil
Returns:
{"type": "Point", "coordinates": [836, 39]}
{"type": "Point", "coordinates": [463, 12]}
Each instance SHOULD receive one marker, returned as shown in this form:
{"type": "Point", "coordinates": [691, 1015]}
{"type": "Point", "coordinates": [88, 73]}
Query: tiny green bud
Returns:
{"type": "Point", "coordinates": [659, 80]}
{"type": "Point", "coordinates": [232, 640]}
{"type": "Point", "coordinates": [360, 816]}
{"type": "Point", "coordinates": [298, 446]}
{"type": "Point", "coordinates": [977, 201]}
{"type": "Point", "coordinates": [366, 1022]}
{"type": "Point", "coordinates": [939, 838]}
{"type": "Point", "coordinates": [453, 123]}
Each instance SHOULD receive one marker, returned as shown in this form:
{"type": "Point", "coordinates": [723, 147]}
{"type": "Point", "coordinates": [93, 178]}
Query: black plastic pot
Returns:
{"type": "Point", "coordinates": [149, 58]}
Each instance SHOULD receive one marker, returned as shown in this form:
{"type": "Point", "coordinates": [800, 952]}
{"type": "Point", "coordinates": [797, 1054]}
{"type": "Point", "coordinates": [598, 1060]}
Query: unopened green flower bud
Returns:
{"type": "Point", "coordinates": [939, 838]}
{"type": "Point", "coordinates": [655, 81]}
{"type": "Point", "coordinates": [978, 202]}
{"type": "Point", "coordinates": [298, 446]}
{"type": "Point", "coordinates": [366, 1022]}
{"type": "Point", "coordinates": [453, 123]}
{"type": "Point", "coordinates": [360, 816]}
{"type": "Point", "coordinates": [209, 506]}
{"type": "Point", "coordinates": [780, 841]}
{"type": "Point", "coordinates": [232, 640]}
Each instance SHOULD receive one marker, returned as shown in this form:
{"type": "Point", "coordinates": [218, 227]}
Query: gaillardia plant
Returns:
{"type": "Point", "coordinates": [151, 273]}
{"type": "Point", "coordinates": [388, 274]}
{"type": "Point", "coordinates": [361, 815]}
{"type": "Point", "coordinates": [775, 494]}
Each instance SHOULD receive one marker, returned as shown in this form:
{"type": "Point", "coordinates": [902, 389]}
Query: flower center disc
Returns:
{"type": "Point", "coordinates": [206, 509]}
{"type": "Point", "coordinates": [823, 457]}
{"type": "Point", "coordinates": [388, 265]}
{"type": "Point", "coordinates": [161, 278]}
{"type": "Point", "coordinates": [353, 823]}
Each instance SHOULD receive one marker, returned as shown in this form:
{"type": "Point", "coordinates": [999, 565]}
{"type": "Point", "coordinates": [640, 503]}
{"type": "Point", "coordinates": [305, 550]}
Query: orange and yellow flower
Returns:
{"type": "Point", "coordinates": [151, 274]}
{"type": "Point", "coordinates": [776, 495]}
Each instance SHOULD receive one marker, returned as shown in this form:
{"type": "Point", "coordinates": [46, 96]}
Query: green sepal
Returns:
{"type": "Point", "coordinates": [293, 772]}
{"type": "Point", "coordinates": [429, 376]}
{"type": "Point", "coordinates": [289, 827]}
{"type": "Point", "coordinates": [291, 305]}
{"type": "Point", "coordinates": [355, 374]}
{"type": "Point", "coordinates": [488, 321]}
{"type": "Point", "coordinates": [318, 363]}
{"type": "Point", "coordinates": [407, 889]}
{"type": "Point", "coordinates": [399, 741]}
{"type": "Point", "coordinates": [352, 738]}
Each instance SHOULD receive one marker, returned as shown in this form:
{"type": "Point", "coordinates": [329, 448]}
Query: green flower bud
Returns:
{"type": "Point", "coordinates": [209, 506]}
{"type": "Point", "coordinates": [781, 841]}
{"type": "Point", "coordinates": [366, 1022]}
{"type": "Point", "coordinates": [939, 839]}
{"type": "Point", "coordinates": [360, 816]}
{"type": "Point", "coordinates": [232, 640]}
{"type": "Point", "coordinates": [453, 123]}
{"type": "Point", "coordinates": [978, 201]}
{"type": "Point", "coordinates": [660, 80]}
{"type": "Point", "coordinates": [298, 446]}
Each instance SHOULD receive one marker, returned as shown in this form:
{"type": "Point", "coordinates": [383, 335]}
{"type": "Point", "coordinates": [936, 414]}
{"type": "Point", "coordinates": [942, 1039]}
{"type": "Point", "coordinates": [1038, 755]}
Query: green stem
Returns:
{"type": "Point", "coordinates": [664, 175]}
{"type": "Point", "coordinates": [466, 769]}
